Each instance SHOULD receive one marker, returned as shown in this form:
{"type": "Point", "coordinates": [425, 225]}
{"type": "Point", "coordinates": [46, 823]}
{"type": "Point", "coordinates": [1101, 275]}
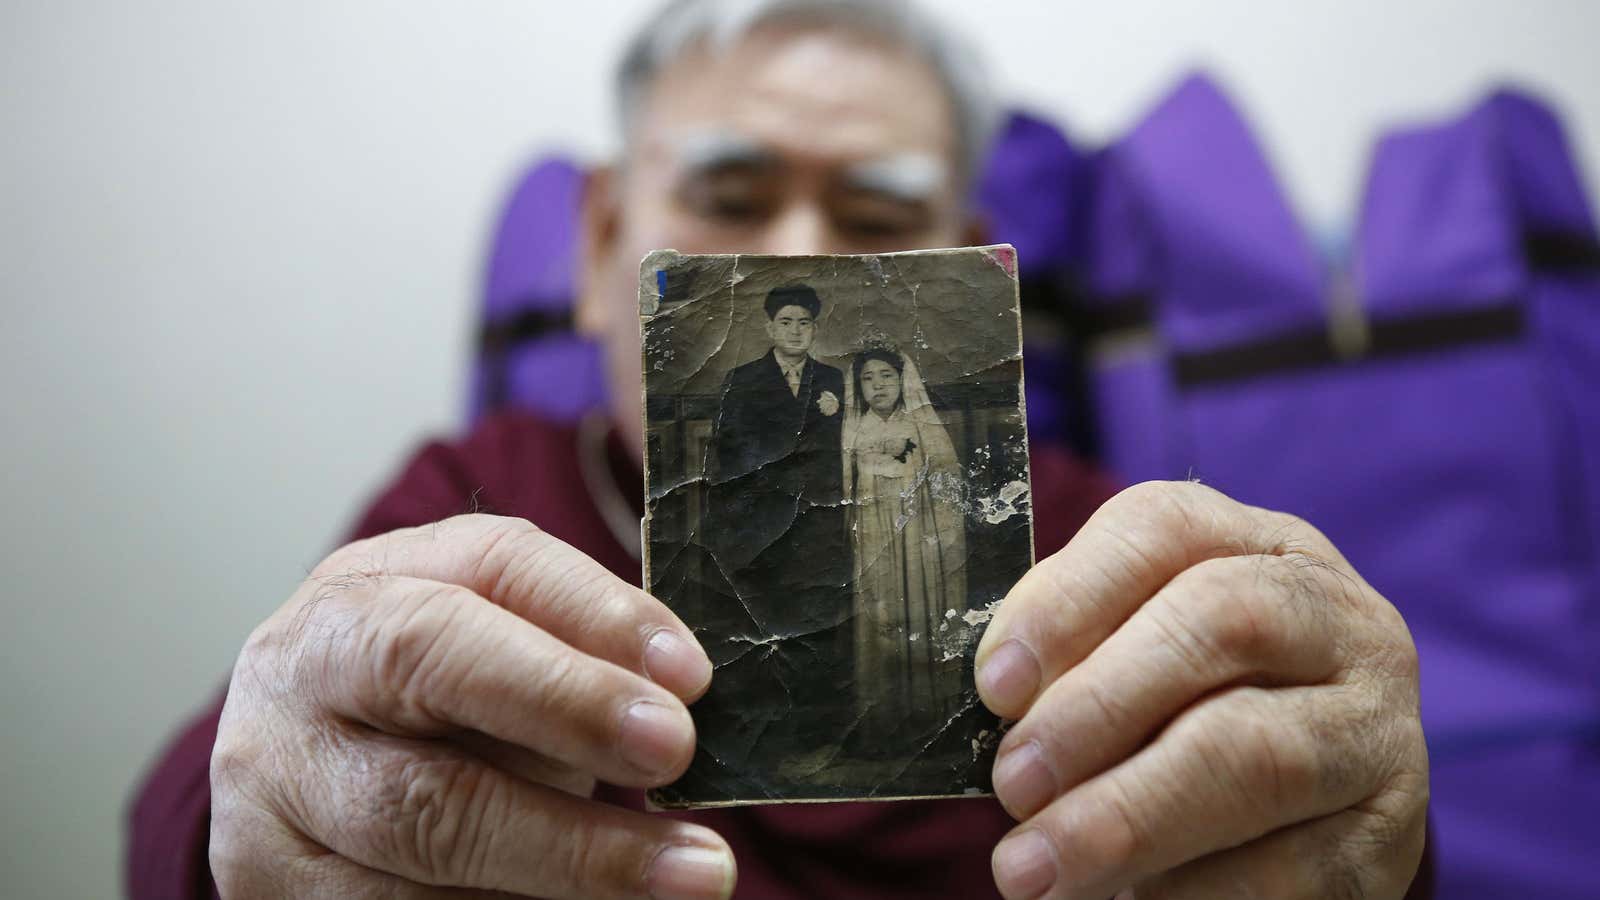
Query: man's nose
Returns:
{"type": "Point", "coordinates": [802, 228]}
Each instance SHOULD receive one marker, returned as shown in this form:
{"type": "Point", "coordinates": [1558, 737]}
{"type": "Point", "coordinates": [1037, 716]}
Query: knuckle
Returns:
{"type": "Point", "coordinates": [234, 764]}
{"type": "Point", "coordinates": [567, 690]}
{"type": "Point", "coordinates": [407, 644]}
{"type": "Point", "coordinates": [1395, 650]}
{"type": "Point", "coordinates": [1113, 836]}
{"type": "Point", "coordinates": [580, 860]}
{"type": "Point", "coordinates": [1268, 764]}
{"type": "Point", "coordinates": [489, 523]}
{"type": "Point", "coordinates": [239, 829]}
{"type": "Point", "coordinates": [1409, 663]}
{"type": "Point", "coordinates": [508, 553]}
{"type": "Point", "coordinates": [1162, 507]}
{"type": "Point", "coordinates": [607, 602]}
{"type": "Point", "coordinates": [1298, 534]}
{"type": "Point", "coordinates": [425, 816]}
{"type": "Point", "coordinates": [1376, 857]}
{"type": "Point", "coordinates": [1242, 623]}
{"type": "Point", "coordinates": [1342, 881]}
{"type": "Point", "coordinates": [1216, 617]}
{"type": "Point", "coordinates": [1286, 769]}
{"type": "Point", "coordinates": [1181, 503]}
{"type": "Point", "coordinates": [351, 560]}
{"type": "Point", "coordinates": [1114, 714]}
{"type": "Point", "coordinates": [1169, 496]}
{"type": "Point", "coordinates": [339, 561]}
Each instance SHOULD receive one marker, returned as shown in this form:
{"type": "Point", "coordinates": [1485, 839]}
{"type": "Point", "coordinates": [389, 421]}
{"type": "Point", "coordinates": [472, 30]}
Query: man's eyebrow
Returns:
{"type": "Point", "coordinates": [908, 177]}
{"type": "Point", "coordinates": [708, 151]}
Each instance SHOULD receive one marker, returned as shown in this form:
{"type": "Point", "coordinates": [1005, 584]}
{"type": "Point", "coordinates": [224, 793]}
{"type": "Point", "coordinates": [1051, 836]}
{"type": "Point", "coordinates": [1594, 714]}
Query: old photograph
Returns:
{"type": "Point", "coordinates": [837, 495]}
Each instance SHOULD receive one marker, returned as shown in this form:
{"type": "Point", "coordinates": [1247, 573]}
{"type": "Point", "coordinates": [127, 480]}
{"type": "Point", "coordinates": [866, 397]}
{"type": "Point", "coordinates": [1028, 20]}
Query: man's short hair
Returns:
{"type": "Point", "coordinates": [682, 24]}
{"type": "Point", "coordinates": [800, 295]}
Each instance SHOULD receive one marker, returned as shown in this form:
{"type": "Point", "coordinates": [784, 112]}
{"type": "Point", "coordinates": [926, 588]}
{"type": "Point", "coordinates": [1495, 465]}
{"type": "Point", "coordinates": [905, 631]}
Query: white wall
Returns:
{"type": "Point", "coordinates": [239, 246]}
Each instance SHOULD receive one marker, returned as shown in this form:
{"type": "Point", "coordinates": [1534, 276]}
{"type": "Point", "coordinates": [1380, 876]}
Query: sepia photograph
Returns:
{"type": "Point", "coordinates": [837, 494]}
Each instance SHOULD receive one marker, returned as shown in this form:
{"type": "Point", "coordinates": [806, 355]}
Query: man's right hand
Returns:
{"type": "Point", "coordinates": [428, 714]}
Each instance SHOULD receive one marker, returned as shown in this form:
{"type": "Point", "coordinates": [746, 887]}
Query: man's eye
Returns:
{"type": "Point", "coordinates": [872, 216]}
{"type": "Point", "coordinates": [728, 197]}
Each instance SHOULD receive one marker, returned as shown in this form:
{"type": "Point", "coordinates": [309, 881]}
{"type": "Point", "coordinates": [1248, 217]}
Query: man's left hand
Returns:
{"type": "Point", "coordinates": [1211, 703]}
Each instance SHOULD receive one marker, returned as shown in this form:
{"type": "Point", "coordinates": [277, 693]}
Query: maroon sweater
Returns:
{"type": "Point", "coordinates": [517, 465]}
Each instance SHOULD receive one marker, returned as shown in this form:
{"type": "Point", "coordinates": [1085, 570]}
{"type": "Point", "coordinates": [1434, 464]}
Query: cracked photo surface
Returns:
{"type": "Point", "coordinates": [837, 495]}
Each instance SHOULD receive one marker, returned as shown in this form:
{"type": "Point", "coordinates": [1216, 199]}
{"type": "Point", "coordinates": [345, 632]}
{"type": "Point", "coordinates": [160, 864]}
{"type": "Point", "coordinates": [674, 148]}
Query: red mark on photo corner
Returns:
{"type": "Point", "coordinates": [1007, 258]}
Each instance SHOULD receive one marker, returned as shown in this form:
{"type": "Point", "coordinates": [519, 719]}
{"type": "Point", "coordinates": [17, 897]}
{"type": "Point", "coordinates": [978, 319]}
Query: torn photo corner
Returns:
{"type": "Point", "coordinates": [837, 495]}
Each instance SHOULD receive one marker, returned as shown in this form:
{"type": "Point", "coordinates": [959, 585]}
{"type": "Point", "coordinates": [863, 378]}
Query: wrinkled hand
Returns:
{"type": "Point", "coordinates": [427, 715]}
{"type": "Point", "coordinates": [1211, 703]}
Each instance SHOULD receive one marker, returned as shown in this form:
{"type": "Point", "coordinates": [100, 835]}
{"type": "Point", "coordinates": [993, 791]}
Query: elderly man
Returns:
{"type": "Point", "coordinates": [1210, 701]}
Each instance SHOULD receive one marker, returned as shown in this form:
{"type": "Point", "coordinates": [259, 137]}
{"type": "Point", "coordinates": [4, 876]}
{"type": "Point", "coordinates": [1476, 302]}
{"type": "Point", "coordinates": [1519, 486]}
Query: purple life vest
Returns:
{"type": "Point", "coordinates": [1442, 427]}
{"type": "Point", "coordinates": [528, 356]}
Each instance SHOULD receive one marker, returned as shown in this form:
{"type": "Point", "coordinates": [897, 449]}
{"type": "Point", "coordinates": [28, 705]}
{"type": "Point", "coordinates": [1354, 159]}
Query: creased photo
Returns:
{"type": "Point", "coordinates": [837, 495]}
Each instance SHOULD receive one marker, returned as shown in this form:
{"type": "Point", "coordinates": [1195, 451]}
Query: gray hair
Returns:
{"type": "Point", "coordinates": [681, 24]}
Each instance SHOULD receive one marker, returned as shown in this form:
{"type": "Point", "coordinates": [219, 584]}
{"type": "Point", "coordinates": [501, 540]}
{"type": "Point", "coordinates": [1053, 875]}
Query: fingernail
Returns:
{"type": "Point", "coordinates": [691, 873]}
{"type": "Point", "coordinates": [1022, 780]}
{"type": "Point", "coordinates": [676, 664]}
{"type": "Point", "coordinates": [1024, 866]}
{"type": "Point", "coordinates": [1125, 894]}
{"type": "Point", "coordinates": [653, 737]}
{"type": "Point", "coordinates": [1009, 677]}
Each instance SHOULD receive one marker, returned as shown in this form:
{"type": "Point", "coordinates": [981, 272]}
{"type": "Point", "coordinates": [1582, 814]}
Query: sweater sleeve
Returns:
{"type": "Point", "coordinates": [169, 819]}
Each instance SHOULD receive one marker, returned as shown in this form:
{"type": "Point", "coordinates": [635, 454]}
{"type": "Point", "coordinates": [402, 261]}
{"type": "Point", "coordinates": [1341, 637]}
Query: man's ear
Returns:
{"type": "Point", "coordinates": [599, 232]}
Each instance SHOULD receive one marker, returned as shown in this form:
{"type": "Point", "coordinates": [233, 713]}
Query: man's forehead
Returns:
{"type": "Point", "coordinates": [792, 312]}
{"type": "Point", "coordinates": [809, 96]}
{"type": "Point", "coordinates": [908, 174]}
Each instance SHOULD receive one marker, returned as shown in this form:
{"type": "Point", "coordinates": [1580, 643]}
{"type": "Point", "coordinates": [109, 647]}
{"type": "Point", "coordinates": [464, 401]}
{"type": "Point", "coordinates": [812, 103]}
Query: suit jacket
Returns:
{"type": "Point", "coordinates": [778, 475]}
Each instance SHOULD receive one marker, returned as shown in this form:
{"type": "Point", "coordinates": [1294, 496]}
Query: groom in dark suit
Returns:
{"type": "Point", "coordinates": [776, 525]}
{"type": "Point", "coordinates": [778, 475]}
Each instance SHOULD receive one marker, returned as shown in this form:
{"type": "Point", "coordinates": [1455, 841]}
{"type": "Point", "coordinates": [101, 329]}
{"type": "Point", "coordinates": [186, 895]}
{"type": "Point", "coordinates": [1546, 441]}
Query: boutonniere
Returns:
{"type": "Point", "coordinates": [905, 451]}
{"type": "Point", "coordinates": [828, 404]}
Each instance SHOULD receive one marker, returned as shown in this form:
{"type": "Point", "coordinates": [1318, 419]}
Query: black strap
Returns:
{"type": "Point", "coordinates": [1058, 298]}
{"type": "Point", "coordinates": [1387, 338]}
{"type": "Point", "coordinates": [1549, 252]}
{"type": "Point", "coordinates": [1561, 252]}
{"type": "Point", "coordinates": [526, 325]}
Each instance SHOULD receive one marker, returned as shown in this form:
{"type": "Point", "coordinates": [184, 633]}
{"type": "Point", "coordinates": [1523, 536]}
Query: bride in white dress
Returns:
{"type": "Point", "coordinates": [903, 490]}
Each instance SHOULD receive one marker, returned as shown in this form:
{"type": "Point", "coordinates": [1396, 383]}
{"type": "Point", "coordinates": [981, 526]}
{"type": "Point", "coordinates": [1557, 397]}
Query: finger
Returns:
{"type": "Point", "coordinates": [333, 877]}
{"type": "Point", "coordinates": [264, 857]}
{"type": "Point", "coordinates": [1362, 852]}
{"type": "Point", "coordinates": [1244, 619]}
{"type": "Point", "coordinates": [1231, 769]}
{"type": "Point", "coordinates": [431, 814]}
{"type": "Point", "coordinates": [544, 580]}
{"type": "Point", "coordinates": [423, 657]}
{"type": "Point", "coordinates": [1135, 543]}
{"type": "Point", "coordinates": [526, 764]}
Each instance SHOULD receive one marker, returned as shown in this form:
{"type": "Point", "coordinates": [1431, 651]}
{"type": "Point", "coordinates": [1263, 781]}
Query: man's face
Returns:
{"type": "Point", "coordinates": [792, 140]}
{"type": "Point", "coordinates": [792, 331]}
